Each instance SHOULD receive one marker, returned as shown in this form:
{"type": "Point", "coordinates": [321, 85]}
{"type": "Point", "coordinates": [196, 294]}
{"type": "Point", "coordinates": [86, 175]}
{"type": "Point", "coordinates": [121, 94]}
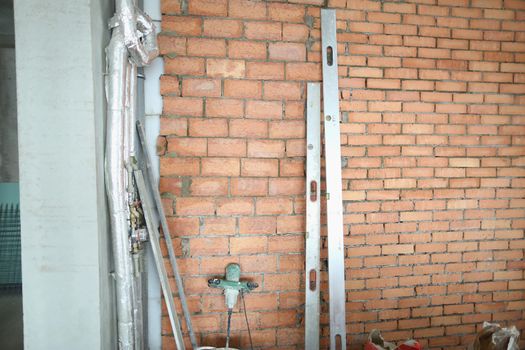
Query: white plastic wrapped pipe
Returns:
{"type": "Point", "coordinates": [133, 43]}
{"type": "Point", "coordinates": [116, 186]}
{"type": "Point", "coordinates": [142, 48]}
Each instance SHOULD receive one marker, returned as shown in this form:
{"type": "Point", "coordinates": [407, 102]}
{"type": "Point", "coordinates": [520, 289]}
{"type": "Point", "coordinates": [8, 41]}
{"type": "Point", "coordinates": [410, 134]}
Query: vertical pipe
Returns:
{"type": "Point", "coordinates": [133, 43]}
{"type": "Point", "coordinates": [116, 185]}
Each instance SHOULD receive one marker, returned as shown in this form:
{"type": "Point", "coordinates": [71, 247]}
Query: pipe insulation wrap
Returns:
{"type": "Point", "coordinates": [116, 184]}
{"type": "Point", "coordinates": [139, 33]}
{"type": "Point", "coordinates": [133, 43]}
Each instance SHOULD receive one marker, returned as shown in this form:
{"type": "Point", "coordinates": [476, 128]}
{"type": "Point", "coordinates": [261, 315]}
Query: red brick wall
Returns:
{"type": "Point", "coordinates": [433, 140]}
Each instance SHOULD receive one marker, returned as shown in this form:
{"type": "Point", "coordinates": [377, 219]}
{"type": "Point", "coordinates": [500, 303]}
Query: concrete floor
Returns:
{"type": "Point", "coordinates": [11, 324]}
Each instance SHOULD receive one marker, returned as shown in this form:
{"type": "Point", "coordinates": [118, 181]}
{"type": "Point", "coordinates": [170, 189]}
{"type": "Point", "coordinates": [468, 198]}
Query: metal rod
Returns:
{"type": "Point", "coordinates": [167, 235]}
{"type": "Point", "coordinates": [334, 209]}
{"type": "Point", "coordinates": [313, 215]}
{"type": "Point", "coordinates": [228, 329]}
{"type": "Point", "coordinates": [147, 206]}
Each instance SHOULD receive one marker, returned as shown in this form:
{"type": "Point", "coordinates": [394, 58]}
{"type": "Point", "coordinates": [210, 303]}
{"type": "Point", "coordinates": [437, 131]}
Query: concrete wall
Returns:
{"type": "Point", "coordinates": [65, 252]}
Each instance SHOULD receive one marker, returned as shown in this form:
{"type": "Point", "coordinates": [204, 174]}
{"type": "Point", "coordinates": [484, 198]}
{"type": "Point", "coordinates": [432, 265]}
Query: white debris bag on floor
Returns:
{"type": "Point", "coordinates": [376, 342]}
{"type": "Point", "coordinates": [493, 337]}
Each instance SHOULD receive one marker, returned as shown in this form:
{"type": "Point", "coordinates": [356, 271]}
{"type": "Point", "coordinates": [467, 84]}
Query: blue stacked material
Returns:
{"type": "Point", "coordinates": [10, 249]}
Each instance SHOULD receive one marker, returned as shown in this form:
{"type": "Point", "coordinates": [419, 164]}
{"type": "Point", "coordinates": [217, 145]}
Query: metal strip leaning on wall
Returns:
{"type": "Point", "coordinates": [313, 215]}
{"type": "Point", "coordinates": [167, 235]}
{"type": "Point", "coordinates": [154, 238]}
{"type": "Point", "coordinates": [334, 208]}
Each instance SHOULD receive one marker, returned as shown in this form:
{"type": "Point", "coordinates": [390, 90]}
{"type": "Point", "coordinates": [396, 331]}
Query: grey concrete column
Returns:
{"type": "Point", "coordinates": [67, 288]}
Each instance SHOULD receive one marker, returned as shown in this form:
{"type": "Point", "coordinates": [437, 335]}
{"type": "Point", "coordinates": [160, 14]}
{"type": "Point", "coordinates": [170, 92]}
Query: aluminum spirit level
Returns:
{"type": "Point", "coordinates": [334, 197]}
{"type": "Point", "coordinates": [313, 215]}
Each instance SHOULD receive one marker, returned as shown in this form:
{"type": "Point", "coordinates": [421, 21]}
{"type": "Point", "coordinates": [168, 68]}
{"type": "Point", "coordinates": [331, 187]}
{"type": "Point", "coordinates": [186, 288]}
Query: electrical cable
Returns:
{"type": "Point", "coordinates": [246, 317]}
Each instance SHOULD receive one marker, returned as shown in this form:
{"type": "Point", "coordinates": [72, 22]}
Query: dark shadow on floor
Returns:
{"type": "Point", "coordinates": [11, 324]}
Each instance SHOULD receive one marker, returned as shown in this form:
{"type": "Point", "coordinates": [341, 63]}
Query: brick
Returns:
{"type": "Point", "coordinates": [303, 71]}
{"type": "Point", "coordinates": [287, 129]}
{"type": "Point", "coordinates": [220, 167]}
{"type": "Point", "coordinates": [226, 147]}
{"type": "Point", "coordinates": [383, 83]}
{"type": "Point", "coordinates": [265, 70]}
{"type": "Point", "coordinates": [400, 183]}
{"type": "Point", "coordinates": [222, 28]}
{"type": "Point", "coordinates": [384, 17]}
{"type": "Point", "coordinates": [235, 206]}
{"type": "Point", "coordinates": [259, 167]}
{"type": "Point", "coordinates": [242, 88]}
{"type": "Point", "coordinates": [435, 32]}
{"type": "Point", "coordinates": [366, 72]}
{"type": "Point", "coordinates": [208, 127]}
{"type": "Point", "coordinates": [400, 29]}
{"type": "Point", "coordinates": [264, 109]}
{"type": "Point", "coordinates": [183, 106]}
{"type": "Point", "coordinates": [246, 49]}
{"type": "Point", "coordinates": [225, 68]}
{"type": "Point", "coordinates": [208, 7]}
{"type": "Point", "coordinates": [295, 32]}
{"type": "Point", "coordinates": [464, 162]}
{"type": "Point", "coordinates": [193, 147]}
{"type": "Point", "coordinates": [384, 106]}
{"type": "Point", "coordinates": [247, 9]}
{"type": "Point", "coordinates": [287, 51]}
{"type": "Point", "coordinates": [169, 85]}
{"type": "Point", "coordinates": [222, 107]}
{"type": "Point", "coordinates": [266, 148]}
{"type": "Point", "coordinates": [171, 6]}
{"type": "Point", "coordinates": [182, 25]}
{"type": "Point", "coordinates": [206, 47]}
{"type": "Point", "coordinates": [257, 225]}
{"type": "Point", "coordinates": [286, 186]}
{"type": "Point", "coordinates": [201, 87]}
{"type": "Point", "coordinates": [248, 128]}
{"type": "Point", "coordinates": [418, 85]}
{"type": "Point", "coordinates": [179, 166]}
{"type": "Point", "coordinates": [282, 90]}
{"type": "Point", "coordinates": [286, 12]}
{"type": "Point", "coordinates": [291, 167]}
{"type": "Point", "coordinates": [274, 206]}
{"type": "Point", "coordinates": [194, 206]}
{"type": "Point", "coordinates": [173, 126]}
{"type": "Point", "coordinates": [291, 224]}
{"type": "Point", "coordinates": [183, 226]}
{"type": "Point", "coordinates": [263, 30]}
{"type": "Point", "coordinates": [209, 186]}
{"type": "Point", "coordinates": [185, 65]}
{"type": "Point", "coordinates": [384, 62]}
{"type": "Point", "coordinates": [249, 187]}
{"type": "Point", "coordinates": [171, 45]}
{"type": "Point", "coordinates": [419, 41]}
{"type": "Point", "coordinates": [219, 226]}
